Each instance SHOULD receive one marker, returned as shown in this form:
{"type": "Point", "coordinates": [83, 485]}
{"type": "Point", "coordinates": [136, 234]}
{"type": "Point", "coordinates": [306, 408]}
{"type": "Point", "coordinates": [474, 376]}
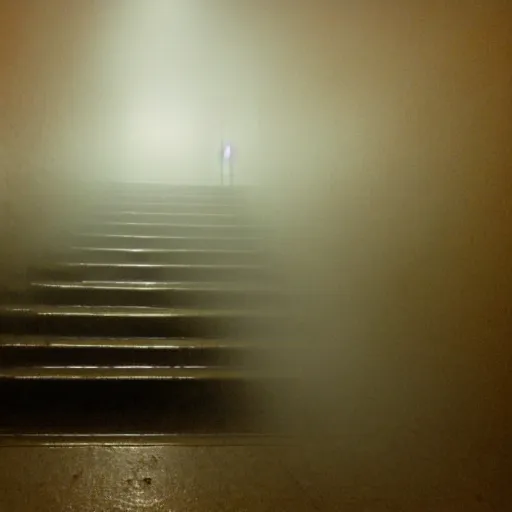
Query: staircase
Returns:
{"type": "Point", "coordinates": [147, 320]}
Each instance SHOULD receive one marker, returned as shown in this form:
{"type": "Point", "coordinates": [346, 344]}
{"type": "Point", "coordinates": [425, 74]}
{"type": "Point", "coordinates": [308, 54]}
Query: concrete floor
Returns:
{"type": "Point", "coordinates": [225, 478]}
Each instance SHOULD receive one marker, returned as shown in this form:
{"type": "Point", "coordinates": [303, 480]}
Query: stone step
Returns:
{"type": "Point", "coordinates": [161, 205]}
{"type": "Point", "coordinates": [153, 294]}
{"type": "Point", "coordinates": [118, 372]}
{"type": "Point", "coordinates": [141, 187]}
{"type": "Point", "coordinates": [135, 197]}
{"type": "Point", "coordinates": [158, 217]}
{"type": "Point", "coordinates": [148, 272]}
{"type": "Point", "coordinates": [91, 408]}
{"type": "Point", "coordinates": [66, 357]}
{"type": "Point", "coordinates": [122, 321]}
{"type": "Point", "coordinates": [169, 256]}
{"type": "Point", "coordinates": [115, 240]}
{"type": "Point", "coordinates": [173, 229]}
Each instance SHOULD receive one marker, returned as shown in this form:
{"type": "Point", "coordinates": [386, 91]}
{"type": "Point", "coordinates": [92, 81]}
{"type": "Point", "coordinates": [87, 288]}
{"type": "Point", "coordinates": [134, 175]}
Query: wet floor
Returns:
{"type": "Point", "coordinates": [225, 478]}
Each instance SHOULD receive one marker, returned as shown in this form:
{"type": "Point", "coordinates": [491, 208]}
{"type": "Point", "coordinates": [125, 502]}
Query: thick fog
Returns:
{"type": "Point", "coordinates": [377, 135]}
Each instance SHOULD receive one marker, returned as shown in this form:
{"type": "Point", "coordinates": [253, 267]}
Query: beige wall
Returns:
{"type": "Point", "coordinates": [391, 190]}
{"type": "Point", "coordinates": [41, 84]}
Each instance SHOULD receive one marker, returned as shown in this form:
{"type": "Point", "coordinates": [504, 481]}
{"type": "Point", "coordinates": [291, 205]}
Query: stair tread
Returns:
{"type": "Point", "coordinates": [124, 372]}
{"type": "Point", "coordinates": [82, 264]}
{"type": "Point", "coordinates": [119, 311]}
{"type": "Point", "coordinates": [146, 286]}
{"type": "Point", "coordinates": [167, 237]}
{"type": "Point", "coordinates": [189, 201]}
{"type": "Point", "coordinates": [57, 342]}
{"type": "Point", "coordinates": [129, 213]}
{"type": "Point", "coordinates": [163, 251]}
{"type": "Point", "coordinates": [176, 225]}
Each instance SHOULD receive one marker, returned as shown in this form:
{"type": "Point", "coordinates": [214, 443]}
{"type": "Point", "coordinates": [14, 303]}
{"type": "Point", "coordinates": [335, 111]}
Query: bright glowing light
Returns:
{"type": "Point", "coordinates": [228, 152]}
{"type": "Point", "coordinates": [161, 132]}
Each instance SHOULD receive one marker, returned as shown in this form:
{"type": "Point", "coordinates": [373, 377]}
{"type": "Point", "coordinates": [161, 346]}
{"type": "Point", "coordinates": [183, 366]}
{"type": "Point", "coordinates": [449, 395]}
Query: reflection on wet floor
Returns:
{"type": "Point", "coordinates": [224, 477]}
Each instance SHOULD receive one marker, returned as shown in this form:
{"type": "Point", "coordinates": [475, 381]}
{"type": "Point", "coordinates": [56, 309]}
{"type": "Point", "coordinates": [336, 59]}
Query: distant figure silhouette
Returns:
{"type": "Point", "coordinates": [226, 169]}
